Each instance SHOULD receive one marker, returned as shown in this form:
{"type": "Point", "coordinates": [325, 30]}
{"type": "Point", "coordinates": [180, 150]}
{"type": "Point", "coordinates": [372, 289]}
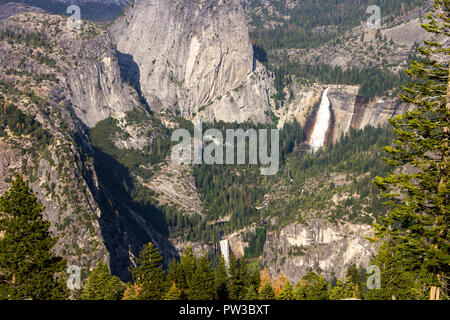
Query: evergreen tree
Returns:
{"type": "Point", "coordinates": [186, 269]}
{"type": "Point", "coordinates": [264, 278]}
{"type": "Point", "coordinates": [266, 292]}
{"type": "Point", "coordinates": [252, 293]}
{"type": "Point", "coordinates": [28, 268]}
{"type": "Point", "coordinates": [149, 274]}
{"type": "Point", "coordinates": [350, 287]}
{"type": "Point", "coordinates": [287, 292]}
{"type": "Point", "coordinates": [201, 284]}
{"type": "Point", "coordinates": [312, 287]}
{"type": "Point", "coordinates": [340, 291]}
{"type": "Point", "coordinates": [353, 278]}
{"type": "Point", "coordinates": [131, 292]}
{"type": "Point", "coordinates": [415, 231]}
{"type": "Point", "coordinates": [175, 275]}
{"type": "Point", "coordinates": [101, 285]}
{"type": "Point", "coordinates": [174, 293]}
{"type": "Point", "coordinates": [239, 278]}
{"type": "Point", "coordinates": [254, 277]}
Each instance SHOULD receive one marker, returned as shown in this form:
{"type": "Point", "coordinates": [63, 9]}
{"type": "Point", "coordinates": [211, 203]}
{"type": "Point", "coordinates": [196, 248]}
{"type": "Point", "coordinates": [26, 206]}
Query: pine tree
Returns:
{"type": "Point", "coordinates": [201, 284]}
{"type": "Point", "coordinates": [264, 278]}
{"type": "Point", "coordinates": [131, 292]}
{"type": "Point", "coordinates": [312, 287]}
{"type": "Point", "coordinates": [415, 231]}
{"type": "Point", "coordinates": [185, 270]}
{"type": "Point", "coordinates": [350, 287]}
{"type": "Point", "coordinates": [174, 293]}
{"type": "Point", "coordinates": [175, 275]}
{"type": "Point", "coordinates": [353, 279]}
{"type": "Point", "coordinates": [28, 268]}
{"type": "Point", "coordinates": [255, 277]}
{"type": "Point", "coordinates": [221, 280]}
{"type": "Point", "coordinates": [239, 278]}
{"type": "Point", "coordinates": [287, 292]}
{"type": "Point", "coordinates": [234, 283]}
{"type": "Point", "coordinates": [149, 274]}
{"type": "Point", "coordinates": [266, 292]}
{"type": "Point", "coordinates": [101, 285]}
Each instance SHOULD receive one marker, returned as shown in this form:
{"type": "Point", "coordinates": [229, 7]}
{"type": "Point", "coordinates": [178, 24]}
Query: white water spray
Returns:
{"type": "Point", "coordinates": [224, 248]}
{"type": "Point", "coordinates": [322, 123]}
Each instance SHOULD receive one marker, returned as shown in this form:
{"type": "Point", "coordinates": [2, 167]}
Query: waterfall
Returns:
{"type": "Point", "coordinates": [224, 248]}
{"type": "Point", "coordinates": [322, 123]}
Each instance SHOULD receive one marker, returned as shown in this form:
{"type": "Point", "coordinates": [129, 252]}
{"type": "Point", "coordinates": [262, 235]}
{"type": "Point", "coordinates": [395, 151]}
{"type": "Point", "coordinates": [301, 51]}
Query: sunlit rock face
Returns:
{"type": "Point", "coordinates": [318, 245]}
{"type": "Point", "coordinates": [195, 58]}
{"type": "Point", "coordinates": [322, 123]}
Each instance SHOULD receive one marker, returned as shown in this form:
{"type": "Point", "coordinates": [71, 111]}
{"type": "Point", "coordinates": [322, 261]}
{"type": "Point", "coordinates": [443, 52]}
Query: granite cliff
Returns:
{"type": "Point", "coordinates": [203, 68]}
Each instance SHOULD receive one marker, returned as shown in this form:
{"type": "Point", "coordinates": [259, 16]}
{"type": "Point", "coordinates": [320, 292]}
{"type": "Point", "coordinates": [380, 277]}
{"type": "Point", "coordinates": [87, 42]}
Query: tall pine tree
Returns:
{"type": "Point", "coordinates": [415, 231]}
{"type": "Point", "coordinates": [101, 285]}
{"type": "Point", "coordinates": [149, 274]}
{"type": "Point", "coordinates": [28, 267]}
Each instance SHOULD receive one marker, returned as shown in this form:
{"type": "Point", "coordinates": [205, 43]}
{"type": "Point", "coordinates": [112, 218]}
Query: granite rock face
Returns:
{"type": "Point", "coordinates": [348, 108]}
{"type": "Point", "coordinates": [195, 59]}
{"type": "Point", "coordinates": [96, 88]}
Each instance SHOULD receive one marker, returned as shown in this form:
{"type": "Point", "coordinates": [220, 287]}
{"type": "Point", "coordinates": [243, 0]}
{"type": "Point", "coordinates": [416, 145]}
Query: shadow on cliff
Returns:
{"type": "Point", "coordinates": [129, 72]}
{"type": "Point", "coordinates": [128, 219]}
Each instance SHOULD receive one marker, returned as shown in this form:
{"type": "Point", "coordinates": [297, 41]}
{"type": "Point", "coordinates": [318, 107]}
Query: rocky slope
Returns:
{"type": "Point", "coordinates": [67, 81]}
{"type": "Point", "coordinates": [60, 171]}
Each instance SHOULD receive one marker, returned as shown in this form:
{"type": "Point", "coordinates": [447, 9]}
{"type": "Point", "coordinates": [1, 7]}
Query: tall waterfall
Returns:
{"type": "Point", "coordinates": [322, 123]}
{"type": "Point", "coordinates": [224, 248]}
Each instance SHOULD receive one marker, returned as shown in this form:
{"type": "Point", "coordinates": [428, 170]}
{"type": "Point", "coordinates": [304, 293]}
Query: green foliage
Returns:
{"type": "Point", "coordinates": [173, 294]}
{"type": "Point", "coordinates": [101, 285]}
{"type": "Point", "coordinates": [373, 81]}
{"type": "Point", "coordinates": [255, 243]}
{"type": "Point", "coordinates": [310, 20]}
{"type": "Point", "coordinates": [201, 285]}
{"type": "Point", "coordinates": [414, 234]}
{"type": "Point", "coordinates": [22, 124]}
{"type": "Point", "coordinates": [312, 287]}
{"type": "Point", "coordinates": [221, 280]}
{"type": "Point", "coordinates": [287, 293]}
{"type": "Point", "coordinates": [237, 190]}
{"type": "Point", "coordinates": [30, 39]}
{"type": "Point", "coordinates": [28, 267]}
{"type": "Point", "coordinates": [266, 292]}
{"type": "Point", "coordinates": [239, 278]}
{"type": "Point", "coordinates": [350, 287]}
{"type": "Point", "coordinates": [252, 293]}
